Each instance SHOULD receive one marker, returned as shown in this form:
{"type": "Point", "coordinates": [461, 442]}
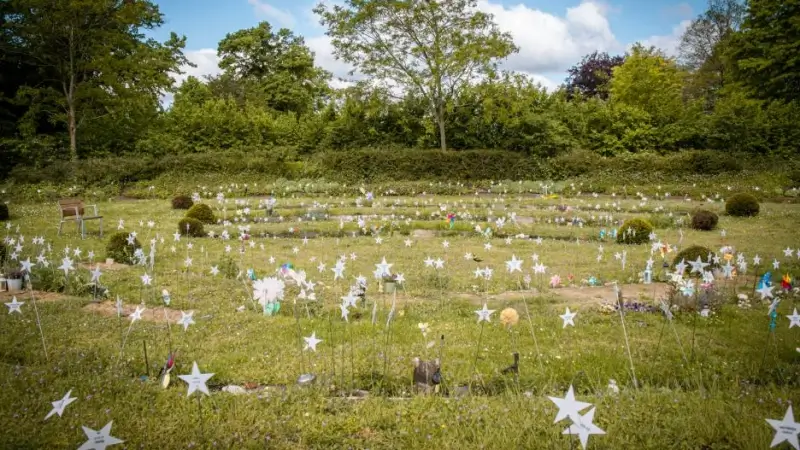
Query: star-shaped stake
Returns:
{"type": "Point", "coordinates": [484, 314]}
{"type": "Point", "coordinates": [137, 315]}
{"type": "Point", "coordinates": [383, 267]}
{"type": "Point", "coordinates": [568, 406]}
{"type": "Point", "coordinates": [568, 318]}
{"type": "Point", "coordinates": [785, 430]}
{"type": "Point", "coordinates": [196, 380]}
{"type": "Point", "coordinates": [96, 274]}
{"type": "Point", "coordinates": [766, 291]}
{"type": "Point", "coordinates": [99, 440]}
{"type": "Point", "coordinates": [698, 266]}
{"type": "Point", "coordinates": [186, 319]}
{"type": "Point", "coordinates": [14, 305]}
{"type": "Point", "coordinates": [794, 319]}
{"type": "Point", "coordinates": [514, 264]}
{"type": "Point", "coordinates": [59, 405]}
{"type": "Point", "coordinates": [312, 341]}
{"type": "Point", "coordinates": [583, 427]}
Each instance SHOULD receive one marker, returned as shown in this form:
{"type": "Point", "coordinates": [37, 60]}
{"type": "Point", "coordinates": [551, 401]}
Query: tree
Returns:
{"type": "Point", "coordinates": [651, 82]}
{"type": "Point", "coordinates": [767, 47]}
{"type": "Point", "coordinates": [590, 77]}
{"type": "Point", "coordinates": [703, 46]}
{"type": "Point", "coordinates": [274, 68]}
{"type": "Point", "coordinates": [431, 48]}
{"type": "Point", "coordinates": [93, 57]}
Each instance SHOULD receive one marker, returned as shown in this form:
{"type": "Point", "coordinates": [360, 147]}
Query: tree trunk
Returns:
{"type": "Point", "coordinates": [440, 122]}
{"type": "Point", "coordinates": [73, 141]}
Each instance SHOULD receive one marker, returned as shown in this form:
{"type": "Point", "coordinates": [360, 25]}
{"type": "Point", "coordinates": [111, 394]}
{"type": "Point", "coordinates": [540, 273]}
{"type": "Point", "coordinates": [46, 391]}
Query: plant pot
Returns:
{"type": "Point", "coordinates": [14, 285]}
{"type": "Point", "coordinates": [389, 287]}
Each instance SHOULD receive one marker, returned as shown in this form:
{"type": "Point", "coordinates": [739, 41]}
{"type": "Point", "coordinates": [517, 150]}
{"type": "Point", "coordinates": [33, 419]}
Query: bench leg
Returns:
{"type": "Point", "coordinates": [83, 229]}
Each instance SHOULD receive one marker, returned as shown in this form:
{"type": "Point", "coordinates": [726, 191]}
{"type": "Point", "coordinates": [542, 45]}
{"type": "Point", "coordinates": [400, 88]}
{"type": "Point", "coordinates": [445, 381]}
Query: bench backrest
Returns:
{"type": "Point", "coordinates": [69, 206]}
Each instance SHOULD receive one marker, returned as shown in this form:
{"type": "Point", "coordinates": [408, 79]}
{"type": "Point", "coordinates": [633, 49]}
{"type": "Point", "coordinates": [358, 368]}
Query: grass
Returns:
{"type": "Point", "coordinates": [737, 374]}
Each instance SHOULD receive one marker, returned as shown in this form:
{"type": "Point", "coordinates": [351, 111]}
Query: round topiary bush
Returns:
{"type": "Point", "coordinates": [691, 254]}
{"type": "Point", "coordinates": [742, 205]}
{"type": "Point", "coordinates": [704, 220]}
{"type": "Point", "coordinates": [189, 226]}
{"type": "Point", "coordinates": [201, 212]}
{"type": "Point", "coordinates": [3, 211]}
{"type": "Point", "coordinates": [634, 231]}
{"type": "Point", "coordinates": [120, 249]}
{"type": "Point", "coordinates": [182, 202]}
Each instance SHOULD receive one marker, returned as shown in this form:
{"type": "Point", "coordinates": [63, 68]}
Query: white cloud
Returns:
{"type": "Point", "coordinates": [281, 16]}
{"type": "Point", "coordinates": [206, 61]}
{"type": "Point", "coordinates": [549, 43]}
{"type": "Point", "coordinates": [323, 57]}
{"type": "Point", "coordinates": [668, 43]}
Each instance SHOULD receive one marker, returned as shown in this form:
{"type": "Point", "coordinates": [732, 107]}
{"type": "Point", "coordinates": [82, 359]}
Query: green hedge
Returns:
{"type": "Point", "coordinates": [378, 165]}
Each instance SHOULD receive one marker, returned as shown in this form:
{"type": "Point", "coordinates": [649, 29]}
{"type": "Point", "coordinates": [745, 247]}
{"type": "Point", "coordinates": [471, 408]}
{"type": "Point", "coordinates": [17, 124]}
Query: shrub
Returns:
{"type": "Point", "coordinates": [691, 254]}
{"type": "Point", "coordinates": [634, 231]}
{"type": "Point", "coordinates": [182, 202]}
{"type": "Point", "coordinates": [201, 212]}
{"type": "Point", "coordinates": [704, 220]}
{"type": "Point", "coordinates": [119, 248]}
{"type": "Point", "coordinates": [3, 211]}
{"type": "Point", "coordinates": [189, 226]}
{"type": "Point", "coordinates": [742, 205]}
{"type": "Point", "coordinates": [794, 178]}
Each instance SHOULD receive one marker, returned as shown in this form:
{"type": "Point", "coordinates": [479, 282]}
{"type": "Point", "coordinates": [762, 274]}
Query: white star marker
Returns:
{"type": "Point", "coordinates": [196, 380]}
{"type": "Point", "coordinates": [568, 318]}
{"type": "Point", "coordinates": [186, 319]}
{"type": "Point", "coordinates": [484, 314]}
{"type": "Point", "coordinates": [568, 406]}
{"type": "Point", "coordinates": [786, 430]}
{"type": "Point", "coordinates": [99, 440]}
{"type": "Point", "coordinates": [14, 306]}
{"type": "Point", "coordinates": [59, 405]}
{"type": "Point", "coordinates": [583, 427]}
{"type": "Point", "coordinates": [794, 319]}
{"type": "Point", "coordinates": [311, 342]}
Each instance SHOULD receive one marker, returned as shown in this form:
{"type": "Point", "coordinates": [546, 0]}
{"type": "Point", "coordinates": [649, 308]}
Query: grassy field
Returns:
{"type": "Point", "coordinates": [700, 382]}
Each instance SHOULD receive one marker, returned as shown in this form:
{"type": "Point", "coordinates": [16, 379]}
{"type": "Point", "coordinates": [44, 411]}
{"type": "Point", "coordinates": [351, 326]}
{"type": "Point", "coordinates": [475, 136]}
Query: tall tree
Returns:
{"type": "Point", "coordinates": [94, 56]}
{"type": "Point", "coordinates": [590, 77]}
{"type": "Point", "coordinates": [767, 47]}
{"type": "Point", "coordinates": [650, 81]}
{"type": "Point", "coordinates": [276, 68]}
{"type": "Point", "coordinates": [431, 48]}
{"type": "Point", "coordinates": [703, 45]}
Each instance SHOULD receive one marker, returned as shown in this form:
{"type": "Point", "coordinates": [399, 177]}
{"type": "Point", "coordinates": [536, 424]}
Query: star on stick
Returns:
{"type": "Point", "coordinates": [583, 427]}
{"type": "Point", "coordinates": [568, 406]}
{"type": "Point", "coordinates": [196, 380]}
{"type": "Point", "coordinates": [186, 319]}
{"type": "Point", "coordinates": [99, 440]}
{"type": "Point", "coordinates": [14, 306]}
{"type": "Point", "coordinates": [786, 430]}
{"type": "Point", "coordinates": [484, 314]}
{"type": "Point", "coordinates": [568, 318]}
{"type": "Point", "coordinates": [311, 342]}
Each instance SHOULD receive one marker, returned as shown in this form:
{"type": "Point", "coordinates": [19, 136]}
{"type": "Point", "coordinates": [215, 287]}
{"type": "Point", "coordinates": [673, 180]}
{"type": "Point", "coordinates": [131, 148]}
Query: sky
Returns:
{"type": "Point", "coordinates": [552, 35]}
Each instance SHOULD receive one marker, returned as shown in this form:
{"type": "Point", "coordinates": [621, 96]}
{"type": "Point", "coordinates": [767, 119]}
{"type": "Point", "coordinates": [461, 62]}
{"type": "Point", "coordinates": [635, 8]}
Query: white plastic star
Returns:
{"type": "Point", "coordinates": [786, 430]}
{"type": "Point", "coordinates": [311, 342]}
{"type": "Point", "coordinates": [568, 318]}
{"type": "Point", "coordinates": [794, 319]}
{"type": "Point", "coordinates": [99, 440]}
{"type": "Point", "coordinates": [137, 315]}
{"type": "Point", "coordinates": [186, 319]}
{"type": "Point", "coordinates": [583, 427]}
{"type": "Point", "coordinates": [484, 314]}
{"type": "Point", "coordinates": [568, 406]}
{"type": "Point", "coordinates": [196, 380]}
{"type": "Point", "coordinates": [14, 306]}
{"type": "Point", "coordinates": [514, 264]}
{"type": "Point", "coordinates": [59, 405]}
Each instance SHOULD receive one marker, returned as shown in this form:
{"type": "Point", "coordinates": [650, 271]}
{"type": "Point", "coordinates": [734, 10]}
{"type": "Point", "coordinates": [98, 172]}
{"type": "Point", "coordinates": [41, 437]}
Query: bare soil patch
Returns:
{"type": "Point", "coordinates": [587, 294]}
{"type": "Point", "coordinates": [104, 267]}
{"type": "Point", "coordinates": [40, 296]}
{"type": "Point", "coordinates": [159, 314]}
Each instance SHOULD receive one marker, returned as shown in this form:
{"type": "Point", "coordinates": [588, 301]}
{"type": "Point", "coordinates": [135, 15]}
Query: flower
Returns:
{"type": "Point", "coordinates": [509, 317]}
{"type": "Point", "coordinates": [423, 327]}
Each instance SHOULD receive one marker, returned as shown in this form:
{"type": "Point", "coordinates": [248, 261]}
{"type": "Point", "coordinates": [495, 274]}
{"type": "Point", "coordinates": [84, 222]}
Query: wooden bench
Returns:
{"type": "Point", "coordinates": [74, 209]}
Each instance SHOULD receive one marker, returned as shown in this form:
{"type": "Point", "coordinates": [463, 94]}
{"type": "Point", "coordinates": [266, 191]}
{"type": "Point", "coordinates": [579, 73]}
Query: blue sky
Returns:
{"type": "Point", "coordinates": [552, 34]}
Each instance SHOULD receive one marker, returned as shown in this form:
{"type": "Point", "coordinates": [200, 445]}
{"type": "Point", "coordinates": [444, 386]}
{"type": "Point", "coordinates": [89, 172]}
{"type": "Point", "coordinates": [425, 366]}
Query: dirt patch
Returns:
{"type": "Point", "coordinates": [423, 233]}
{"type": "Point", "coordinates": [108, 308]}
{"type": "Point", "coordinates": [104, 267]}
{"type": "Point", "coordinates": [589, 294]}
{"type": "Point", "coordinates": [40, 296]}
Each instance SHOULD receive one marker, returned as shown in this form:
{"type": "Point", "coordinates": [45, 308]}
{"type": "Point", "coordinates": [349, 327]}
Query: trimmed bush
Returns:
{"type": "Point", "coordinates": [691, 254]}
{"type": "Point", "coordinates": [3, 211]}
{"type": "Point", "coordinates": [634, 231]}
{"type": "Point", "coordinates": [119, 249]}
{"type": "Point", "coordinates": [189, 226]}
{"type": "Point", "coordinates": [704, 220]}
{"type": "Point", "coordinates": [201, 212]}
{"type": "Point", "coordinates": [182, 202]}
{"type": "Point", "coordinates": [742, 205]}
